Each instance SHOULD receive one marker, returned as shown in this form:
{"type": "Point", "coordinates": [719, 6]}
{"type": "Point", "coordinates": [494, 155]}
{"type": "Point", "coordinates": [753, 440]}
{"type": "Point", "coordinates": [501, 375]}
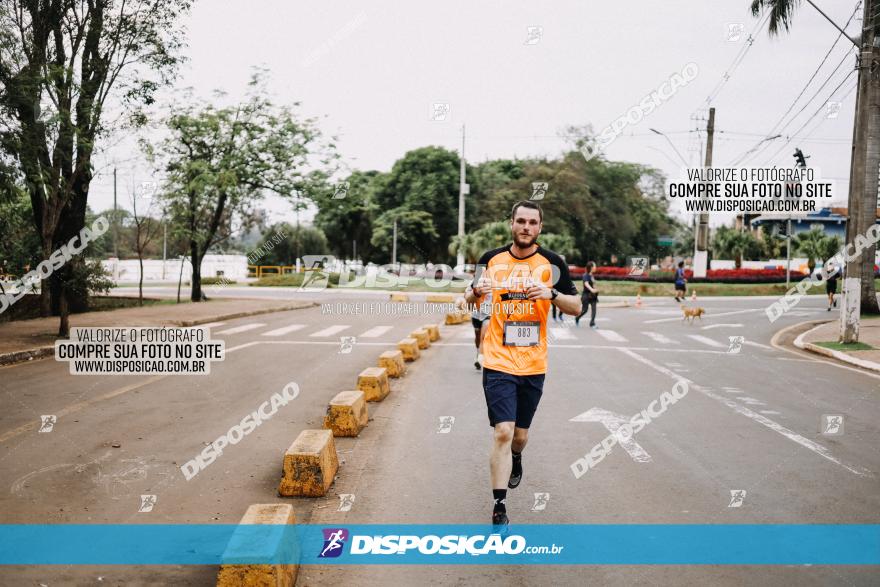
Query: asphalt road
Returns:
{"type": "Point", "coordinates": [751, 421]}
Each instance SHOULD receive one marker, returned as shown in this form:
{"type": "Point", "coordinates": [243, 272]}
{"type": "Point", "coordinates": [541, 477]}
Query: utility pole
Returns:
{"type": "Point", "coordinates": [463, 189]}
{"type": "Point", "coordinates": [862, 201]}
{"type": "Point", "coordinates": [701, 238]}
{"type": "Point", "coordinates": [164, 247]}
{"type": "Point", "coordinates": [115, 220]}
{"type": "Point", "coordinates": [394, 245]}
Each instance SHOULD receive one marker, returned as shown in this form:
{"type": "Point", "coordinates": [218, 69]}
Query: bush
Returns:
{"type": "Point", "coordinates": [217, 280]}
{"type": "Point", "coordinates": [713, 275]}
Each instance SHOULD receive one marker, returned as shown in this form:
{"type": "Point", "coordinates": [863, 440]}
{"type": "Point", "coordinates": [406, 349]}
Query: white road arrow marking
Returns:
{"type": "Point", "coordinates": [612, 423]}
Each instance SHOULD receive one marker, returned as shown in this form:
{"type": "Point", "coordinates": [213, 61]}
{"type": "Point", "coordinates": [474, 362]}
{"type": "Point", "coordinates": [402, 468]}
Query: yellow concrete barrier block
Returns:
{"type": "Point", "coordinates": [410, 349]}
{"type": "Point", "coordinates": [393, 363]}
{"type": "Point", "coordinates": [422, 337]}
{"type": "Point", "coordinates": [399, 297]}
{"type": "Point", "coordinates": [245, 546]}
{"type": "Point", "coordinates": [347, 413]}
{"type": "Point", "coordinates": [440, 298]}
{"type": "Point", "coordinates": [433, 332]}
{"type": "Point", "coordinates": [373, 381]}
{"type": "Point", "coordinates": [453, 318]}
{"type": "Point", "coordinates": [309, 465]}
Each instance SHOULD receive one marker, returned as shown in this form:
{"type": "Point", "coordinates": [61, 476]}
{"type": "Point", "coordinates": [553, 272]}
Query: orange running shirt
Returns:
{"type": "Point", "coordinates": [509, 276]}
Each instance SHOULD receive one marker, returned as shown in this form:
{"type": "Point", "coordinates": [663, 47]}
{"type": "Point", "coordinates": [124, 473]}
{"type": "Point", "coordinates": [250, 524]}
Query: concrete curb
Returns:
{"type": "Point", "coordinates": [49, 351]}
{"type": "Point", "coordinates": [839, 355]}
{"type": "Point", "coordinates": [40, 352]}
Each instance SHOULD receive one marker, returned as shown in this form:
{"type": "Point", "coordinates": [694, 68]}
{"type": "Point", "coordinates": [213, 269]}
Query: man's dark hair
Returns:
{"type": "Point", "coordinates": [681, 263]}
{"type": "Point", "coordinates": [591, 265]}
{"type": "Point", "coordinates": [527, 204]}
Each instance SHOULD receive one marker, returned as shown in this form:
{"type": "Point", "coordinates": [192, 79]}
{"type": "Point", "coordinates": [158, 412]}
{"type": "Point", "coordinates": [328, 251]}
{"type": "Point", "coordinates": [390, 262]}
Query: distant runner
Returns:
{"type": "Point", "coordinates": [680, 283]}
{"type": "Point", "coordinates": [521, 276]}
{"type": "Point", "coordinates": [480, 322]}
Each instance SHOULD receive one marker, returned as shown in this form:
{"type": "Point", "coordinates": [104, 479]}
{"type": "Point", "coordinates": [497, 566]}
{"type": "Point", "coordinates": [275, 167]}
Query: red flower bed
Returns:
{"type": "Point", "coordinates": [716, 275]}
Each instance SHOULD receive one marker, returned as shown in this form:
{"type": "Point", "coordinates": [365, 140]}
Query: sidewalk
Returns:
{"type": "Point", "coordinates": [869, 333]}
{"type": "Point", "coordinates": [24, 340]}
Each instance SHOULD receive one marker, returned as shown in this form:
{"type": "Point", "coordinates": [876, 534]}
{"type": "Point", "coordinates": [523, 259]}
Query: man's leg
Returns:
{"type": "Point", "coordinates": [520, 439]}
{"type": "Point", "coordinates": [499, 466]}
{"type": "Point", "coordinates": [593, 304]}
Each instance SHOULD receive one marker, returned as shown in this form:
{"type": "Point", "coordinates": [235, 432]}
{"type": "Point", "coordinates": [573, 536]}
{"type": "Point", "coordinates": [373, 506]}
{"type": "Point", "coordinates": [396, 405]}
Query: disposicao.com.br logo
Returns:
{"type": "Point", "coordinates": [413, 544]}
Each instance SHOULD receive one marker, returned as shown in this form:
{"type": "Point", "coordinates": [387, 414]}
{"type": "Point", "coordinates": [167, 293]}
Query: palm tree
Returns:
{"type": "Point", "coordinates": [812, 244]}
{"type": "Point", "coordinates": [862, 201]}
{"type": "Point", "coordinates": [493, 235]}
{"type": "Point", "coordinates": [469, 246]}
{"type": "Point", "coordinates": [729, 242]}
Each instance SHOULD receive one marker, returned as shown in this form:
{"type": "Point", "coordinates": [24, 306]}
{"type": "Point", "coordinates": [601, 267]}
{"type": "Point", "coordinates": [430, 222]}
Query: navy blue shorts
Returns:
{"type": "Point", "coordinates": [512, 398]}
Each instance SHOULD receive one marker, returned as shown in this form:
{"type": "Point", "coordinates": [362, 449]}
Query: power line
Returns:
{"type": "Point", "coordinates": [725, 77]}
{"type": "Point", "coordinates": [804, 89]}
{"type": "Point", "coordinates": [815, 114]}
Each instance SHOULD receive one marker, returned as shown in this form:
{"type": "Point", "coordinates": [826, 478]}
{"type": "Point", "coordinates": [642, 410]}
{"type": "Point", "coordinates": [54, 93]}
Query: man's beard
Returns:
{"type": "Point", "coordinates": [529, 241]}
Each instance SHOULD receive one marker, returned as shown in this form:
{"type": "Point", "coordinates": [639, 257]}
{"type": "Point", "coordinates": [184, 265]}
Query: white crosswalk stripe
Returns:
{"type": "Point", "coordinates": [561, 334]}
{"type": "Point", "coordinates": [284, 330]}
{"type": "Point", "coordinates": [707, 341]}
{"type": "Point", "coordinates": [611, 335]}
{"type": "Point", "coordinates": [375, 332]}
{"type": "Point", "coordinates": [242, 328]}
{"type": "Point", "coordinates": [657, 337]}
{"type": "Point", "coordinates": [330, 330]}
{"type": "Point", "coordinates": [211, 325]}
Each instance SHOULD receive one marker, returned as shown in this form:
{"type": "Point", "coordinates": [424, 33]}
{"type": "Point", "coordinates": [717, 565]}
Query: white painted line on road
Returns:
{"type": "Point", "coordinates": [751, 401]}
{"type": "Point", "coordinates": [210, 325]}
{"type": "Point", "coordinates": [770, 412]}
{"type": "Point", "coordinates": [709, 315]}
{"type": "Point", "coordinates": [707, 341]}
{"type": "Point", "coordinates": [243, 346]}
{"type": "Point", "coordinates": [732, 390]}
{"type": "Point", "coordinates": [375, 332]}
{"type": "Point", "coordinates": [330, 330]}
{"type": "Point", "coordinates": [284, 330]}
{"type": "Point", "coordinates": [744, 411]}
{"type": "Point", "coordinates": [242, 328]}
{"type": "Point", "coordinates": [711, 326]}
{"type": "Point", "coordinates": [612, 422]}
{"type": "Point", "coordinates": [657, 337]}
{"type": "Point", "coordinates": [758, 344]}
{"type": "Point", "coordinates": [611, 335]}
{"type": "Point", "coordinates": [562, 334]}
{"type": "Point", "coordinates": [796, 360]}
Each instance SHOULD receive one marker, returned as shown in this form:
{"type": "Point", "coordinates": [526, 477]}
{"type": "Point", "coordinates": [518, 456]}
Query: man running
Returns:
{"type": "Point", "coordinates": [521, 277]}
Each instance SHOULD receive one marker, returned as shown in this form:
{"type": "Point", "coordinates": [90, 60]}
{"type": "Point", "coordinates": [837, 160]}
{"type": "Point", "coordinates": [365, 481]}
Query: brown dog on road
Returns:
{"type": "Point", "coordinates": [692, 313]}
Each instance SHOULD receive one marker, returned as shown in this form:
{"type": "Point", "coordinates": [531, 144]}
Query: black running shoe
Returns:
{"type": "Point", "coordinates": [500, 522]}
{"type": "Point", "coordinates": [515, 474]}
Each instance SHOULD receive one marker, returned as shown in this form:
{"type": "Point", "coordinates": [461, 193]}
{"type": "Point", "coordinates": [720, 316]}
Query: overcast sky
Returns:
{"type": "Point", "coordinates": [373, 70]}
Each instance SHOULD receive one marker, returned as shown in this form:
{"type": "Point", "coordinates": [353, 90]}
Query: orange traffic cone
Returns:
{"type": "Point", "coordinates": [694, 296]}
{"type": "Point", "coordinates": [638, 300]}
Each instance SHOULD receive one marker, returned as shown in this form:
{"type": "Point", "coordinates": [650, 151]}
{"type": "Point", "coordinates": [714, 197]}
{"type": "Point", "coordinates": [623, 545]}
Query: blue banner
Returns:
{"type": "Point", "coordinates": [565, 544]}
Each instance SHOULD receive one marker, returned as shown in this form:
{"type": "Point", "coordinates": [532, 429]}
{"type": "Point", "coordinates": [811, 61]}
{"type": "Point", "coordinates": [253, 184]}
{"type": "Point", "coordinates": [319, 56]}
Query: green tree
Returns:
{"type": "Point", "coordinates": [60, 62]}
{"type": "Point", "coordinates": [815, 245]}
{"type": "Point", "coordinates": [283, 243]}
{"type": "Point", "coordinates": [729, 242]}
{"type": "Point", "coordinates": [350, 217]}
{"type": "Point", "coordinates": [562, 244]}
{"type": "Point", "coordinates": [220, 161]}
{"type": "Point", "coordinates": [414, 228]}
{"type": "Point", "coordinates": [469, 245]}
{"type": "Point", "coordinates": [493, 235]}
{"type": "Point", "coordinates": [422, 187]}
